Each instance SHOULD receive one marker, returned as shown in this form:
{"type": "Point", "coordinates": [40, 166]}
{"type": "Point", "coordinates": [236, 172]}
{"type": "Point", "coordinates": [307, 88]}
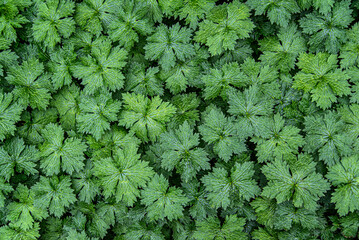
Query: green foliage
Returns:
{"type": "Point", "coordinates": [168, 45]}
{"type": "Point", "coordinates": [122, 175]}
{"type": "Point", "coordinates": [278, 141]}
{"type": "Point", "coordinates": [211, 228]}
{"type": "Point", "coordinates": [300, 183]}
{"type": "Point", "coordinates": [281, 51]}
{"type": "Point", "coordinates": [53, 21]}
{"type": "Point", "coordinates": [10, 111]}
{"type": "Point", "coordinates": [343, 176]}
{"type": "Point", "coordinates": [224, 187]}
{"type": "Point", "coordinates": [54, 194]}
{"type": "Point", "coordinates": [102, 68]}
{"type": "Point", "coordinates": [321, 77]}
{"type": "Point", "coordinates": [221, 132]}
{"type": "Point", "coordinates": [278, 11]}
{"type": "Point", "coordinates": [31, 84]}
{"type": "Point", "coordinates": [163, 201]}
{"type": "Point", "coordinates": [326, 134]}
{"type": "Point", "coordinates": [96, 113]}
{"type": "Point", "coordinates": [15, 156]}
{"type": "Point", "coordinates": [146, 117]}
{"type": "Point", "coordinates": [327, 30]}
{"type": "Point", "coordinates": [58, 153]}
{"type": "Point", "coordinates": [224, 26]}
{"type": "Point", "coordinates": [181, 151]}
{"type": "Point", "coordinates": [179, 119]}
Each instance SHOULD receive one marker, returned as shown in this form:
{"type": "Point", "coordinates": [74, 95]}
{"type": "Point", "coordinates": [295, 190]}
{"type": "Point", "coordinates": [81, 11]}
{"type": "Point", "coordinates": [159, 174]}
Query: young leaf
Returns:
{"type": "Point", "coordinates": [102, 68]}
{"type": "Point", "coordinates": [278, 11]}
{"type": "Point", "coordinates": [327, 135]}
{"type": "Point", "coordinates": [31, 84]}
{"type": "Point", "coordinates": [212, 229]}
{"type": "Point", "coordinates": [302, 184]}
{"type": "Point", "coordinates": [278, 141]}
{"type": "Point", "coordinates": [22, 212]}
{"type": "Point", "coordinates": [223, 186]}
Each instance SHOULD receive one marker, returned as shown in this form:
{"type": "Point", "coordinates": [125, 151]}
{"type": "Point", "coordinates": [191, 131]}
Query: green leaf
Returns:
{"type": "Point", "coordinates": [102, 68]}
{"type": "Point", "coordinates": [96, 113]}
{"type": "Point", "coordinates": [59, 153]}
{"type": "Point", "coordinates": [53, 21]}
{"type": "Point", "coordinates": [219, 82]}
{"type": "Point", "coordinates": [122, 175]}
{"type": "Point", "coordinates": [282, 50]}
{"type": "Point", "coordinates": [167, 45]}
{"type": "Point", "coordinates": [145, 117]}
{"type": "Point", "coordinates": [349, 52]}
{"type": "Point", "coordinates": [321, 77]}
{"type": "Point", "coordinates": [223, 186]}
{"type": "Point", "coordinates": [212, 229]}
{"type": "Point", "coordinates": [10, 111]}
{"type": "Point", "coordinates": [302, 184]}
{"type": "Point", "coordinates": [327, 32]}
{"type": "Point", "coordinates": [54, 193]}
{"type": "Point", "coordinates": [22, 212]}
{"type": "Point", "coordinates": [224, 26]}
{"type": "Point", "coordinates": [251, 109]}
{"type": "Point", "coordinates": [163, 201]}
{"type": "Point", "coordinates": [131, 24]}
{"type": "Point", "coordinates": [15, 156]}
{"type": "Point", "coordinates": [5, 188]}
{"type": "Point", "coordinates": [327, 134]}
{"type": "Point", "coordinates": [344, 176]}
{"type": "Point", "coordinates": [278, 11]}
{"type": "Point", "coordinates": [222, 133]}
{"type": "Point", "coordinates": [186, 105]}
{"type": "Point", "coordinates": [278, 141]}
{"type": "Point", "coordinates": [31, 84]}
{"type": "Point", "coordinates": [181, 152]}
{"type": "Point", "coordinates": [96, 15]}
{"type": "Point", "coordinates": [12, 232]}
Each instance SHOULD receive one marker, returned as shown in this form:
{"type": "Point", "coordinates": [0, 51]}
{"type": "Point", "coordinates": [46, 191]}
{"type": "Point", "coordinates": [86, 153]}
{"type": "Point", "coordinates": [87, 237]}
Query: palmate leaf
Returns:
{"type": "Point", "coordinates": [53, 21]}
{"type": "Point", "coordinates": [144, 116]}
{"type": "Point", "coordinates": [222, 133]}
{"type": "Point", "coordinates": [321, 77]}
{"type": "Point", "coordinates": [163, 201]}
{"type": "Point", "coordinates": [102, 68]}
{"type": "Point", "coordinates": [96, 113]}
{"type": "Point", "coordinates": [12, 232]}
{"type": "Point", "coordinates": [222, 186]}
{"type": "Point", "coordinates": [344, 176]}
{"type": "Point", "coordinates": [16, 157]}
{"type": "Point", "coordinates": [181, 151]}
{"type": "Point", "coordinates": [212, 229]}
{"type": "Point", "coordinates": [22, 212]}
{"type": "Point", "coordinates": [302, 184]}
{"type": "Point", "coordinates": [123, 174]}
{"type": "Point", "coordinates": [169, 44]}
{"type": "Point", "coordinates": [54, 193]}
{"type": "Point", "coordinates": [59, 153]}
{"type": "Point", "coordinates": [224, 26]}
{"type": "Point", "coordinates": [10, 111]}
